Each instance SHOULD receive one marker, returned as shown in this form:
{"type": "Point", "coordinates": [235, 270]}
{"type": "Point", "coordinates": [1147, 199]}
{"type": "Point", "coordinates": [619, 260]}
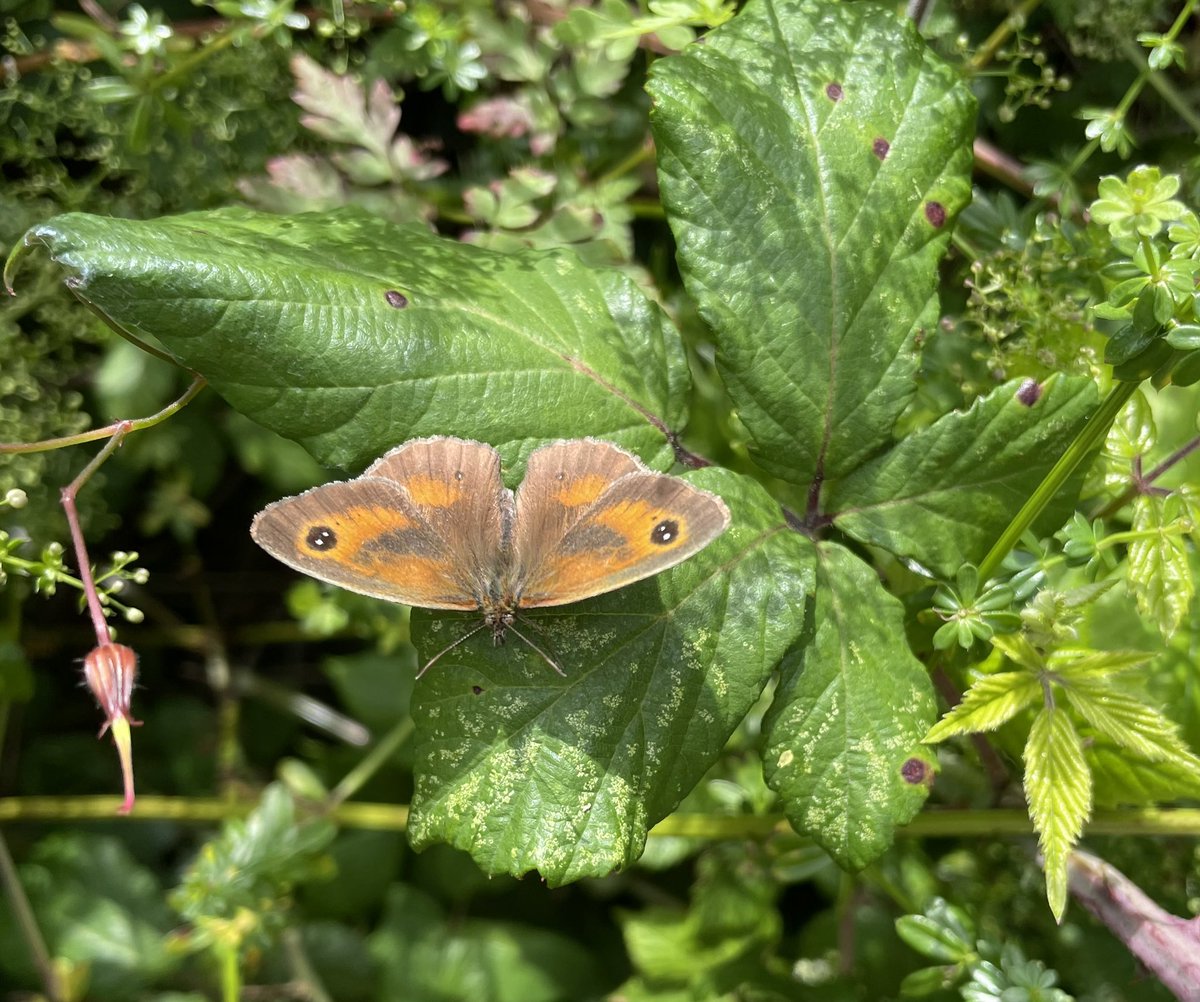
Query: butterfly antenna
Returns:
{"type": "Point", "coordinates": [449, 647]}
{"type": "Point", "coordinates": [529, 643]}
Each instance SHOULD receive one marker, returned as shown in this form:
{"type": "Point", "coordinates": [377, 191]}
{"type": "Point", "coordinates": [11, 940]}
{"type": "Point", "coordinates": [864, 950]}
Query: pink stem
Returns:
{"type": "Point", "coordinates": [69, 493]}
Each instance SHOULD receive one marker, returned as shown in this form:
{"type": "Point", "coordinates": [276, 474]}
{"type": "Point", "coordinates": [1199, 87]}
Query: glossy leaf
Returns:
{"type": "Point", "coordinates": [350, 334]}
{"type": "Point", "coordinates": [843, 735]}
{"type": "Point", "coordinates": [526, 769]}
{"type": "Point", "coordinates": [812, 158]}
{"type": "Point", "coordinates": [945, 493]}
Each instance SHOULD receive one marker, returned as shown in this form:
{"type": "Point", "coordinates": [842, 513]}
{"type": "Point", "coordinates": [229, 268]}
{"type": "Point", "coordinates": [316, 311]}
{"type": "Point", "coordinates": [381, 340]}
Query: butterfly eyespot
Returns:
{"type": "Point", "coordinates": [667, 531]}
{"type": "Point", "coordinates": [458, 474]}
{"type": "Point", "coordinates": [320, 538]}
{"type": "Point", "coordinates": [560, 475]}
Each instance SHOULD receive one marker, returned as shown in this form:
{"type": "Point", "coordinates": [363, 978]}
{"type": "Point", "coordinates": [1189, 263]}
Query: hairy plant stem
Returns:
{"type": "Point", "coordinates": [1091, 435]}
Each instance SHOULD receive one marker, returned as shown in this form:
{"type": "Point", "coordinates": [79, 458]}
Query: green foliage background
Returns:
{"type": "Point", "coordinates": [691, 250]}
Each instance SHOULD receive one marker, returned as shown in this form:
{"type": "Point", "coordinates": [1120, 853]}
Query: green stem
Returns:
{"type": "Point", "coordinates": [354, 780]}
{"type": "Point", "coordinates": [231, 977]}
{"type": "Point", "coordinates": [27, 925]}
{"type": "Point", "coordinates": [1092, 434]}
{"type": "Point", "coordinates": [133, 424]}
{"type": "Point", "coordinates": [1014, 22]}
{"type": "Point", "coordinates": [1161, 83]}
{"type": "Point", "coordinates": [948, 823]}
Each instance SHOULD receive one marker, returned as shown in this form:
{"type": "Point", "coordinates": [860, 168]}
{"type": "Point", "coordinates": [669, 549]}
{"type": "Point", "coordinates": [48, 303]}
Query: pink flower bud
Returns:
{"type": "Point", "coordinates": [110, 671]}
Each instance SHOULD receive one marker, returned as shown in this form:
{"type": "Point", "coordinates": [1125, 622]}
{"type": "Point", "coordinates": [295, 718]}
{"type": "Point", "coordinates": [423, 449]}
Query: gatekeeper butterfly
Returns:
{"type": "Point", "coordinates": [432, 524]}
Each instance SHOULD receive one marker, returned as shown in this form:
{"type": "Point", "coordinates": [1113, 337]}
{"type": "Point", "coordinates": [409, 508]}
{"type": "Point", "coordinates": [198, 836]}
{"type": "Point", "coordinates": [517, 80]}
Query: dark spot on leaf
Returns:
{"type": "Point", "coordinates": [915, 771]}
{"type": "Point", "coordinates": [834, 91]}
{"type": "Point", "coordinates": [477, 689]}
{"type": "Point", "coordinates": [1029, 392]}
{"type": "Point", "coordinates": [665, 533]}
{"type": "Point", "coordinates": [320, 538]}
{"type": "Point", "coordinates": [880, 147]}
{"type": "Point", "coordinates": [396, 299]}
{"type": "Point", "coordinates": [935, 212]}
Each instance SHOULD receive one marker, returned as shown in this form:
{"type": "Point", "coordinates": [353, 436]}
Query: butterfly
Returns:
{"type": "Point", "coordinates": [431, 524]}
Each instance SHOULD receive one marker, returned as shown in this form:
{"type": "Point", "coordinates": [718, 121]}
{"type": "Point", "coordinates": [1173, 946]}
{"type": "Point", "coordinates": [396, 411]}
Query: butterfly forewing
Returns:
{"type": "Point", "coordinates": [632, 528]}
{"type": "Point", "coordinates": [367, 536]}
{"type": "Point", "coordinates": [562, 482]}
{"type": "Point", "coordinates": [455, 485]}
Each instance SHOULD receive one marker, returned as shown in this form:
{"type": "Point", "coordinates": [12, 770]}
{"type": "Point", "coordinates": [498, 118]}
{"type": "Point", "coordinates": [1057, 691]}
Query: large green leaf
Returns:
{"type": "Point", "coordinates": [812, 157]}
{"type": "Point", "coordinates": [350, 334]}
{"type": "Point", "coordinates": [945, 493]}
{"type": "Point", "coordinates": [843, 736]}
{"type": "Point", "coordinates": [526, 769]}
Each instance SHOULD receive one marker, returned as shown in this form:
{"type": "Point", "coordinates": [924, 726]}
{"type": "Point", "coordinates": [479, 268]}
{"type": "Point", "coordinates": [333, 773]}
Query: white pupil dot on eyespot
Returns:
{"type": "Point", "coordinates": [664, 532]}
{"type": "Point", "coordinates": [458, 474]}
{"type": "Point", "coordinates": [321, 537]}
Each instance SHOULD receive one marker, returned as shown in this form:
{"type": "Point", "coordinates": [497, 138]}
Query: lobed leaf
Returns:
{"type": "Point", "coordinates": [812, 158]}
{"type": "Point", "coordinates": [843, 734]}
{"type": "Point", "coordinates": [350, 334]}
{"type": "Point", "coordinates": [526, 770]}
{"type": "Point", "coordinates": [944, 493]}
{"type": "Point", "coordinates": [1058, 789]}
{"type": "Point", "coordinates": [991, 701]}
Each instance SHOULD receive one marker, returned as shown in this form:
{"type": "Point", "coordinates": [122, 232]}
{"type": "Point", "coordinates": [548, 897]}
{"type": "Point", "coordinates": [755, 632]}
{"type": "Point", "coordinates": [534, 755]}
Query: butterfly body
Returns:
{"type": "Point", "coordinates": [431, 524]}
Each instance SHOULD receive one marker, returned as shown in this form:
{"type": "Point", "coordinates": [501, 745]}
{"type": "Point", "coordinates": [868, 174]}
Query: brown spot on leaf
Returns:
{"type": "Point", "coordinates": [834, 91]}
{"type": "Point", "coordinates": [881, 147]}
{"type": "Point", "coordinates": [1029, 392]}
{"type": "Point", "coordinates": [396, 299]}
{"type": "Point", "coordinates": [916, 771]}
{"type": "Point", "coordinates": [935, 212]}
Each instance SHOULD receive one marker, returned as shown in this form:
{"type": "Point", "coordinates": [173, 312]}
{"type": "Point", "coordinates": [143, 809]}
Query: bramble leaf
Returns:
{"type": "Point", "coordinates": [349, 334]}
{"type": "Point", "coordinates": [944, 493]}
{"type": "Point", "coordinates": [843, 734]}
{"type": "Point", "coordinates": [526, 769]}
{"type": "Point", "coordinates": [812, 158]}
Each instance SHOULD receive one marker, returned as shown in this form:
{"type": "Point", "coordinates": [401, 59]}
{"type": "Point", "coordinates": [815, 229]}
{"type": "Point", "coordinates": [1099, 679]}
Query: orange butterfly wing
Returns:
{"type": "Point", "coordinates": [592, 518]}
{"type": "Point", "coordinates": [425, 525]}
